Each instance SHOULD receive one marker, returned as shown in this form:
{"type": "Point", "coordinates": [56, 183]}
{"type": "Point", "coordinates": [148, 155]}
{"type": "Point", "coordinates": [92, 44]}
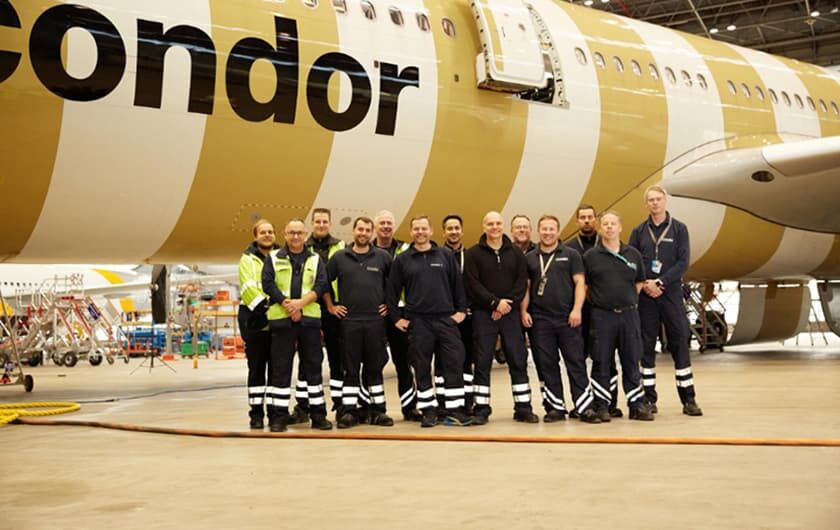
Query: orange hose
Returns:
{"type": "Point", "coordinates": [465, 437]}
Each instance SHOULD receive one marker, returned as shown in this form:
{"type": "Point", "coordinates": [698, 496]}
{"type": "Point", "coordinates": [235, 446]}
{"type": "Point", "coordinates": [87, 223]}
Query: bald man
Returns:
{"type": "Point", "coordinates": [496, 278]}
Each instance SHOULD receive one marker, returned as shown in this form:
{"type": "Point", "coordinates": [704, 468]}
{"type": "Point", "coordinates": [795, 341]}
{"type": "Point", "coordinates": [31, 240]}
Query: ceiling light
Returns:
{"type": "Point", "coordinates": [815, 13]}
{"type": "Point", "coordinates": [836, 9]}
{"type": "Point", "coordinates": [605, 1]}
{"type": "Point", "coordinates": [731, 27]}
{"type": "Point", "coordinates": [713, 31]}
{"type": "Point", "coordinates": [588, 3]}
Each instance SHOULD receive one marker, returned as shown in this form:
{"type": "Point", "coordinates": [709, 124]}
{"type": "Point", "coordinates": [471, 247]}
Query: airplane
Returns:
{"type": "Point", "coordinates": [19, 279]}
{"type": "Point", "coordinates": [159, 131]}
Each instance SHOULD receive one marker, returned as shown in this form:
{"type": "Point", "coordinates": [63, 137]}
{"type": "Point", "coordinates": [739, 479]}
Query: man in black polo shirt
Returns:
{"type": "Point", "coordinates": [397, 340]}
{"type": "Point", "coordinates": [663, 243]}
{"type": "Point", "coordinates": [359, 273]}
{"type": "Point", "coordinates": [552, 308]}
{"type": "Point", "coordinates": [615, 274]}
{"type": "Point", "coordinates": [434, 306]}
{"type": "Point", "coordinates": [586, 238]}
{"type": "Point", "coordinates": [496, 279]}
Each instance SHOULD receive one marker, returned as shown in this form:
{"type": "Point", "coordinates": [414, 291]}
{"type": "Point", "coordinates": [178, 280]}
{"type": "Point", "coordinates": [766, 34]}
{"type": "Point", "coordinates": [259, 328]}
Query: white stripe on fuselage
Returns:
{"type": "Point", "coordinates": [369, 171]}
{"type": "Point", "coordinates": [560, 144]}
{"type": "Point", "coordinates": [694, 120]}
{"type": "Point", "coordinates": [118, 161]}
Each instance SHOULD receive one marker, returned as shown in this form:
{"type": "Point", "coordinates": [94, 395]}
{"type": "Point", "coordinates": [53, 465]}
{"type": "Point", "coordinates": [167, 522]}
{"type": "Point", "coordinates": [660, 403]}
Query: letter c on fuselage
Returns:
{"type": "Point", "coordinates": [9, 60]}
{"type": "Point", "coordinates": [45, 51]}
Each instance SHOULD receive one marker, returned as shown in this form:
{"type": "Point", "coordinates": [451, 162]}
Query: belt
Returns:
{"type": "Point", "coordinates": [619, 309]}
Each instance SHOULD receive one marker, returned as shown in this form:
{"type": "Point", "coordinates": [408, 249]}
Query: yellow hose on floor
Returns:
{"type": "Point", "coordinates": [11, 411]}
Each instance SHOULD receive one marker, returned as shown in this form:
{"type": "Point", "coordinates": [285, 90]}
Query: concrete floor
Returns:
{"type": "Point", "coordinates": [76, 477]}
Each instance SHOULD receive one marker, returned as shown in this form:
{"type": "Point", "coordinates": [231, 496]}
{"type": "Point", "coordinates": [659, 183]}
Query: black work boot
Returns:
{"type": "Point", "coordinates": [642, 412]}
{"type": "Point", "coordinates": [525, 416]}
{"type": "Point", "coordinates": [299, 415]}
{"type": "Point", "coordinates": [690, 408]}
{"type": "Point", "coordinates": [257, 424]}
{"type": "Point", "coordinates": [412, 415]}
{"type": "Point", "coordinates": [554, 416]}
{"type": "Point", "coordinates": [589, 416]}
{"type": "Point", "coordinates": [347, 420]}
{"type": "Point", "coordinates": [603, 415]}
{"type": "Point", "coordinates": [321, 423]}
{"type": "Point", "coordinates": [278, 424]}
{"type": "Point", "coordinates": [429, 418]}
{"type": "Point", "coordinates": [381, 419]}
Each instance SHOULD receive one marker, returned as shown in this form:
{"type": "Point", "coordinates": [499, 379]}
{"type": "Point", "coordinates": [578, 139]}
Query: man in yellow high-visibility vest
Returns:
{"type": "Point", "coordinates": [253, 323]}
{"type": "Point", "coordinates": [294, 278]}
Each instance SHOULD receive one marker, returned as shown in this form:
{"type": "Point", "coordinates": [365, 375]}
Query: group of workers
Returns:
{"type": "Point", "coordinates": [441, 311]}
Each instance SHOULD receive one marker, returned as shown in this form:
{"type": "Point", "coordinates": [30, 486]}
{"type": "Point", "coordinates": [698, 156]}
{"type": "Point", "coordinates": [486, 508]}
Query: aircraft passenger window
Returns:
{"type": "Point", "coordinates": [834, 108]}
{"type": "Point", "coordinates": [786, 98]}
{"type": "Point", "coordinates": [811, 104]}
{"type": "Point", "coordinates": [701, 80]}
{"type": "Point", "coordinates": [773, 97]}
{"type": "Point", "coordinates": [618, 64]}
{"type": "Point", "coordinates": [340, 5]}
{"type": "Point", "coordinates": [396, 15]}
{"type": "Point", "coordinates": [686, 78]}
{"type": "Point", "coordinates": [423, 22]}
{"type": "Point", "coordinates": [670, 75]}
{"type": "Point", "coordinates": [599, 60]}
{"type": "Point", "coordinates": [798, 101]}
{"type": "Point", "coordinates": [822, 106]}
{"type": "Point", "coordinates": [654, 72]}
{"type": "Point", "coordinates": [368, 10]}
{"type": "Point", "coordinates": [745, 89]}
{"type": "Point", "coordinates": [637, 69]}
{"type": "Point", "coordinates": [581, 56]}
{"type": "Point", "coordinates": [311, 4]}
{"type": "Point", "coordinates": [448, 27]}
{"type": "Point", "coordinates": [759, 93]}
{"type": "Point", "coordinates": [731, 86]}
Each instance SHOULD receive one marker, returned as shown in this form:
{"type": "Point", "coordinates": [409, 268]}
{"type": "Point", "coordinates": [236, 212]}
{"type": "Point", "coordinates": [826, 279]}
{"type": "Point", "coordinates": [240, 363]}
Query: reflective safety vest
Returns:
{"type": "Point", "coordinates": [283, 279]}
{"type": "Point", "coordinates": [335, 247]}
{"type": "Point", "coordinates": [250, 280]}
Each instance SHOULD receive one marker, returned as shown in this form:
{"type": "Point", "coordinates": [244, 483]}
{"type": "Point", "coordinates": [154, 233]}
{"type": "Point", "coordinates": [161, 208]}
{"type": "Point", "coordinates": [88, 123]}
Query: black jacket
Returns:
{"type": "Point", "coordinates": [490, 276]}
{"type": "Point", "coordinates": [361, 281]}
{"type": "Point", "coordinates": [431, 281]}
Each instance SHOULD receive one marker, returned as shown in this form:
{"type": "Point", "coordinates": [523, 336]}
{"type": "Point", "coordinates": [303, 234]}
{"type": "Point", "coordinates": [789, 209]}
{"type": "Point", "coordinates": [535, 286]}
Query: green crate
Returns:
{"type": "Point", "coordinates": [187, 350]}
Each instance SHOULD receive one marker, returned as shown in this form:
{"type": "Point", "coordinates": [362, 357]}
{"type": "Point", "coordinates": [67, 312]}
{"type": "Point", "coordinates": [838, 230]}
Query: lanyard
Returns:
{"type": "Point", "coordinates": [582, 246]}
{"type": "Point", "coordinates": [544, 266]}
{"type": "Point", "coordinates": [619, 256]}
{"type": "Point", "coordinates": [661, 237]}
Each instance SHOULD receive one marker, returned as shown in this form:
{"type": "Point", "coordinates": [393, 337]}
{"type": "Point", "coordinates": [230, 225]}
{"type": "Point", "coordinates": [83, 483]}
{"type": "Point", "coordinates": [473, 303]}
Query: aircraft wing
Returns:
{"type": "Point", "coordinates": [795, 184]}
{"type": "Point", "coordinates": [131, 288]}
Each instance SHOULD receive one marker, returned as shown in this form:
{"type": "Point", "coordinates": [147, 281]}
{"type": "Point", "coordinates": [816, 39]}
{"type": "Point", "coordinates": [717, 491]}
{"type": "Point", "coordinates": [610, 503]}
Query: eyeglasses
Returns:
{"type": "Point", "coordinates": [295, 234]}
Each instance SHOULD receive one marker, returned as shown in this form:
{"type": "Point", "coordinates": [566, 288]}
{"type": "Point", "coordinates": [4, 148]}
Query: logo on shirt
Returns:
{"type": "Point", "coordinates": [435, 264]}
{"type": "Point", "coordinates": [373, 269]}
{"type": "Point", "coordinates": [668, 240]}
{"type": "Point", "coordinates": [561, 259]}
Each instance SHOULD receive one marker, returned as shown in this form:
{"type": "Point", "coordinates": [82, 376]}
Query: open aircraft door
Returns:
{"type": "Point", "coordinates": [517, 51]}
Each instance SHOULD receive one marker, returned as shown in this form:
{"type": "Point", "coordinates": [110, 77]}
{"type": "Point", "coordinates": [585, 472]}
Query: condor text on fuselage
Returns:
{"type": "Point", "coordinates": [49, 29]}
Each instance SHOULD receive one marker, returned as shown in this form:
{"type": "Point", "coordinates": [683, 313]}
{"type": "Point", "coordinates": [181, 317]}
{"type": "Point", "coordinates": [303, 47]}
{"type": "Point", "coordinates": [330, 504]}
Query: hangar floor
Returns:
{"type": "Point", "coordinates": [79, 477]}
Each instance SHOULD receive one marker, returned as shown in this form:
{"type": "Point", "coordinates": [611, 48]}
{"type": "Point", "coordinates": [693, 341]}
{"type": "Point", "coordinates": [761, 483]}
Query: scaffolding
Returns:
{"type": "Point", "coordinates": [706, 315]}
{"type": "Point", "coordinates": [61, 323]}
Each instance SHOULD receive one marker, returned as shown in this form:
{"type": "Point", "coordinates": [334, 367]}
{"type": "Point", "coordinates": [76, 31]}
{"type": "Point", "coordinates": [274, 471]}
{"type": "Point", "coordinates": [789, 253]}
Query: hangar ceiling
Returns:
{"type": "Point", "coordinates": [808, 30]}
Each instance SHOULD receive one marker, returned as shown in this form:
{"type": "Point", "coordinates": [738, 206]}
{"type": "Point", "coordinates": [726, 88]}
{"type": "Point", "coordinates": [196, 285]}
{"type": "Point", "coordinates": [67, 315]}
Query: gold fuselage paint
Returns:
{"type": "Point", "coordinates": [744, 242]}
{"type": "Point", "coordinates": [479, 134]}
{"type": "Point", "coordinates": [30, 127]}
{"type": "Point", "coordinates": [241, 160]}
{"type": "Point", "coordinates": [634, 118]}
{"type": "Point", "coordinates": [781, 312]}
{"type": "Point", "coordinates": [126, 304]}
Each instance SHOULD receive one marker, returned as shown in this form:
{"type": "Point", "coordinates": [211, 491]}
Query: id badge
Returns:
{"type": "Point", "coordinates": [656, 266]}
{"type": "Point", "coordinates": [541, 285]}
